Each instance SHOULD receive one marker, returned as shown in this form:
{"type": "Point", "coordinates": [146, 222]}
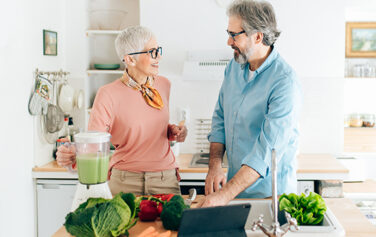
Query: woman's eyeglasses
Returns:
{"type": "Point", "coordinates": [153, 52]}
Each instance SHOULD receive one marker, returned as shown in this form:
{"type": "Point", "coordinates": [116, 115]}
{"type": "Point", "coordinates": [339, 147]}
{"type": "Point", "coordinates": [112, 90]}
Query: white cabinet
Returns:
{"type": "Point", "coordinates": [54, 201]}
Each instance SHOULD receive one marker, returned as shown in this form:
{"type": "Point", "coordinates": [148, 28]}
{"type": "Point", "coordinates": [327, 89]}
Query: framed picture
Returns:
{"type": "Point", "coordinates": [360, 39]}
{"type": "Point", "coordinates": [49, 42]}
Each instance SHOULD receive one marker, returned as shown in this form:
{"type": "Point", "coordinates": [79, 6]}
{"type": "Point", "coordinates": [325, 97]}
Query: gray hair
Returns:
{"type": "Point", "coordinates": [257, 16]}
{"type": "Point", "coordinates": [132, 39]}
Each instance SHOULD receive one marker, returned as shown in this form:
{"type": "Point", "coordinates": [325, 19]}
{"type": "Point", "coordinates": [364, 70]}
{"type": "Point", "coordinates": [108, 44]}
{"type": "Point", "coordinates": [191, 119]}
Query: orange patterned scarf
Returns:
{"type": "Point", "coordinates": [151, 95]}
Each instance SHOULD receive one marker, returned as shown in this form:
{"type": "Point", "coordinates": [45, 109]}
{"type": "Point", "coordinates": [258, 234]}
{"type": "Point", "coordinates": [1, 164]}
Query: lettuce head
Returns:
{"type": "Point", "coordinates": [98, 217]}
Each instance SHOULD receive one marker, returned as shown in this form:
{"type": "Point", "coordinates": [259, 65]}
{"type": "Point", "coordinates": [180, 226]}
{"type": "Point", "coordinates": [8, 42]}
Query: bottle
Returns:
{"type": "Point", "coordinates": [64, 133]}
{"type": "Point", "coordinates": [65, 130]}
{"type": "Point", "coordinates": [71, 129]}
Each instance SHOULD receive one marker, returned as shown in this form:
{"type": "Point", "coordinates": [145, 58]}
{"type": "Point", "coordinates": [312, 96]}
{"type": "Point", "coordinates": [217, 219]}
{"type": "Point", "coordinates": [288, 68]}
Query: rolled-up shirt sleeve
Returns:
{"type": "Point", "coordinates": [101, 116]}
{"type": "Point", "coordinates": [278, 126]}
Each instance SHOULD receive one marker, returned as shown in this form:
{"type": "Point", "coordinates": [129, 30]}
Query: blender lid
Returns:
{"type": "Point", "coordinates": [92, 137]}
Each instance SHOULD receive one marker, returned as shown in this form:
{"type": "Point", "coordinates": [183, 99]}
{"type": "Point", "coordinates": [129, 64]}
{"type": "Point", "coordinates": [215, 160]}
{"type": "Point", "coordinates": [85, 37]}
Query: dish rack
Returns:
{"type": "Point", "coordinates": [203, 127]}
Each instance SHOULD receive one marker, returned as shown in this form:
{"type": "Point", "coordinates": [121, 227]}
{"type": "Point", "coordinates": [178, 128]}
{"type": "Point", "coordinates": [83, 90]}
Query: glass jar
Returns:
{"type": "Point", "coordinates": [347, 120]}
{"type": "Point", "coordinates": [368, 120]}
{"type": "Point", "coordinates": [356, 120]}
{"type": "Point", "coordinates": [358, 70]}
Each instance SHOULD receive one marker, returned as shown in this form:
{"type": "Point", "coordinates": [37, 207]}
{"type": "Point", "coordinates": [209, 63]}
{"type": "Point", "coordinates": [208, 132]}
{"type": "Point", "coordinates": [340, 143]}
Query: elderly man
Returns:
{"type": "Point", "coordinates": [257, 111]}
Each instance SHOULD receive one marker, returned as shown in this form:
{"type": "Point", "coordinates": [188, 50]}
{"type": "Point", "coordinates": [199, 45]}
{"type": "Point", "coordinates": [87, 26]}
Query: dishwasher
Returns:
{"type": "Point", "coordinates": [54, 201]}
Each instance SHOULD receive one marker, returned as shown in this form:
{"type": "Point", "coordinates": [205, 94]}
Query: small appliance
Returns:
{"type": "Point", "coordinates": [92, 157]}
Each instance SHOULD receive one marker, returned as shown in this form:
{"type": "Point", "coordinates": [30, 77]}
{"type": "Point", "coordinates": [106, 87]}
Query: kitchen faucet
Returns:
{"type": "Point", "coordinates": [275, 230]}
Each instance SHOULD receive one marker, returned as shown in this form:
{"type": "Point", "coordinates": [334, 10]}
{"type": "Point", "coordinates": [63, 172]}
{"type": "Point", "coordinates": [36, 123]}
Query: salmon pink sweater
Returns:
{"type": "Point", "coordinates": [138, 131]}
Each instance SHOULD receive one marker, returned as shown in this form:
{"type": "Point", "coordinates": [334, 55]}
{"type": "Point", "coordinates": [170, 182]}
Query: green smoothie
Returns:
{"type": "Point", "coordinates": [92, 168]}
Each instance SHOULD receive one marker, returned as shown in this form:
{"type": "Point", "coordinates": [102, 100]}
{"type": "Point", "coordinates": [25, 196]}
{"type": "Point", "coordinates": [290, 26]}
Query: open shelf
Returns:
{"type": "Point", "coordinates": [102, 32]}
{"type": "Point", "coordinates": [94, 71]}
{"type": "Point", "coordinates": [360, 139]}
{"type": "Point", "coordinates": [359, 78]}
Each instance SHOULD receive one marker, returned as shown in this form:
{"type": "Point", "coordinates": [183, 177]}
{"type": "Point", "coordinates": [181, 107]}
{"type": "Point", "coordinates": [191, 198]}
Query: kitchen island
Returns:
{"type": "Point", "coordinates": [352, 220]}
{"type": "Point", "coordinates": [310, 167]}
{"type": "Point", "coordinates": [55, 186]}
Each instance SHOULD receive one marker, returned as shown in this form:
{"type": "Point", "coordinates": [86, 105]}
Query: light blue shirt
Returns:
{"type": "Point", "coordinates": [255, 115]}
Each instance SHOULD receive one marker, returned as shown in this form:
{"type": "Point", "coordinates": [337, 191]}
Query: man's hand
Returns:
{"type": "Point", "coordinates": [177, 132]}
{"type": "Point", "coordinates": [244, 178]}
{"type": "Point", "coordinates": [214, 178]}
{"type": "Point", "coordinates": [215, 199]}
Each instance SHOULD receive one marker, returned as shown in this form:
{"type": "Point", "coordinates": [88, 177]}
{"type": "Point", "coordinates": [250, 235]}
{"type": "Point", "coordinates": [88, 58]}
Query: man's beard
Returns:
{"type": "Point", "coordinates": [242, 57]}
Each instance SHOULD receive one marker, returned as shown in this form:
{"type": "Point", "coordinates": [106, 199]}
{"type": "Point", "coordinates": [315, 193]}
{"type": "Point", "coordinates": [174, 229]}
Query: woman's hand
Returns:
{"type": "Point", "coordinates": [65, 156]}
{"type": "Point", "coordinates": [177, 132]}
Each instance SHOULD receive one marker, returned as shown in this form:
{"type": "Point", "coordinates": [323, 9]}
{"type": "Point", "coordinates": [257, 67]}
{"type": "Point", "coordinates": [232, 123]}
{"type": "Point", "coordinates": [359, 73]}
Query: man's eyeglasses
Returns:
{"type": "Point", "coordinates": [153, 52]}
{"type": "Point", "coordinates": [233, 35]}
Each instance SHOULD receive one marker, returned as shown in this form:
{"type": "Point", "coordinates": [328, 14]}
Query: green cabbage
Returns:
{"type": "Point", "coordinates": [308, 210]}
{"type": "Point", "coordinates": [100, 217]}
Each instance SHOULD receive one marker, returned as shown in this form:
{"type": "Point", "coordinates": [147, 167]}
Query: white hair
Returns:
{"type": "Point", "coordinates": [132, 39]}
{"type": "Point", "coordinates": [257, 16]}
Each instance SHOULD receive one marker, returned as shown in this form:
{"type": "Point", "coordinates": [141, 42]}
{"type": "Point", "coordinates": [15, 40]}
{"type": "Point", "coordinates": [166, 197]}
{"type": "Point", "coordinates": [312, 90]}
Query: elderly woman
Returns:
{"type": "Point", "coordinates": [134, 109]}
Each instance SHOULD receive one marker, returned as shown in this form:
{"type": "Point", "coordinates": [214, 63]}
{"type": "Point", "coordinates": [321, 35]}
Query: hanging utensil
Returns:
{"type": "Point", "coordinates": [54, 119]}
{"type": "Point", "coordinates": [49, 137]}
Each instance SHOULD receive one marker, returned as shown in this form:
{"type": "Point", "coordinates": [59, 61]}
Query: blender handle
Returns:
{"type": "Point", "coordinates": [69, 167]}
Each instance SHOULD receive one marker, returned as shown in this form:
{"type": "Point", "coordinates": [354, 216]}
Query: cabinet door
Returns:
{"type": "Point", "coordinates": [54, 203]}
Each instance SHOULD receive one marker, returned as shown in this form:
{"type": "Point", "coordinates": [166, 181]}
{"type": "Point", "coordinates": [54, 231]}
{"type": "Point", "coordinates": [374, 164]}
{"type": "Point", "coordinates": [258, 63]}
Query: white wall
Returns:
{"type": "Point", "coordinates": [50, 16]}
{"type": "Point", "coordinates": [360, 94]}
{"type": "Point", "coordinates": [16, 195]}
{"type": "Point", "coordinates": [21, 47]}
{"type": "Point", "coordinates": [69, 19]}
{"type": "Point", "coordinates": [312, 41]}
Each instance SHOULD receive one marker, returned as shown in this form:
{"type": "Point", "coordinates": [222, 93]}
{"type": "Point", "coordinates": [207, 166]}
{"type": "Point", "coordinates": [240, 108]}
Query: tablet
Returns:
{"type": "Point", "coordinates": [215, 221]}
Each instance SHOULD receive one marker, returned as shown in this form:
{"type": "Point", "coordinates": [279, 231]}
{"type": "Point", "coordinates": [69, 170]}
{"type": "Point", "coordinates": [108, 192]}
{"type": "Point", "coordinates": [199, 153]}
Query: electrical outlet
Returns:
{"type": "Point", "coordinates": [305, 187]}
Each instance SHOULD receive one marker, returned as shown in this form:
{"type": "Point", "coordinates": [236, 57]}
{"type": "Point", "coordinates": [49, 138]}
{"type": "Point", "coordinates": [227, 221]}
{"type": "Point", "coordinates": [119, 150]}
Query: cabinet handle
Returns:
{"type": "Point", "coordinates": [192, 183]}
{"type": "Point", "coordinates": [51, 186]}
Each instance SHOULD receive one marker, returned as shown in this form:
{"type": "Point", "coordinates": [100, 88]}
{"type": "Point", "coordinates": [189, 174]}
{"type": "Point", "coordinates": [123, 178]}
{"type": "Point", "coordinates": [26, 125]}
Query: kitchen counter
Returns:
{"type": "Point", "coordinates": [368, 187]}
{"type": "Point", "coordinates": [352, 220]}
{"type": "Point", "coordinates": [310, 167]}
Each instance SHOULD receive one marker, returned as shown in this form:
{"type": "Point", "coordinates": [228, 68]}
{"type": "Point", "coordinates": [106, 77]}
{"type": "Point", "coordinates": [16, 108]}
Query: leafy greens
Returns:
{"type": "Point", "coordinates": [99, 217]}
{"type": "Point", "coordinates": [307, 210]}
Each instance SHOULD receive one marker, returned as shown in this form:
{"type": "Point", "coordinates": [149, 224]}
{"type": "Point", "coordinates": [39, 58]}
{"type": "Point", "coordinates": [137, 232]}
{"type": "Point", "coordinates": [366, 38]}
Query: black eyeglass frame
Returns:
{"type": "Point", "coordinates": [158, 51]}
{"type": "Point", "coordinates": [233, 35]}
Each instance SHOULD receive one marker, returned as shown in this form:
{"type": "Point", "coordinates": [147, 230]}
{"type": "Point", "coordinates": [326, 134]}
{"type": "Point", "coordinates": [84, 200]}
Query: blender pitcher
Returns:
{"type": "Point", "coordinates": [92, 156]}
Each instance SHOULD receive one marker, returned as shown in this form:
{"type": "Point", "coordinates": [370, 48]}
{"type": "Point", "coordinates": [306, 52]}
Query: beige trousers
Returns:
{"type": "Point", "coordinates": [144, 183]}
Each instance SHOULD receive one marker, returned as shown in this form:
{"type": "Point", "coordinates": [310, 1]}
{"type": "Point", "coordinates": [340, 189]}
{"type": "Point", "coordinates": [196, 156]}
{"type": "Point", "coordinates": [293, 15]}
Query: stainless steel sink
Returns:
{"type": "Point", "coordinates": [329, 228]}
{"type": "Point", "coordinates": [201, 160]}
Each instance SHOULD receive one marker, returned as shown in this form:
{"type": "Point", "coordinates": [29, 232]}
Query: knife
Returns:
{"type": "Point", "coordinates": [192, 196]}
